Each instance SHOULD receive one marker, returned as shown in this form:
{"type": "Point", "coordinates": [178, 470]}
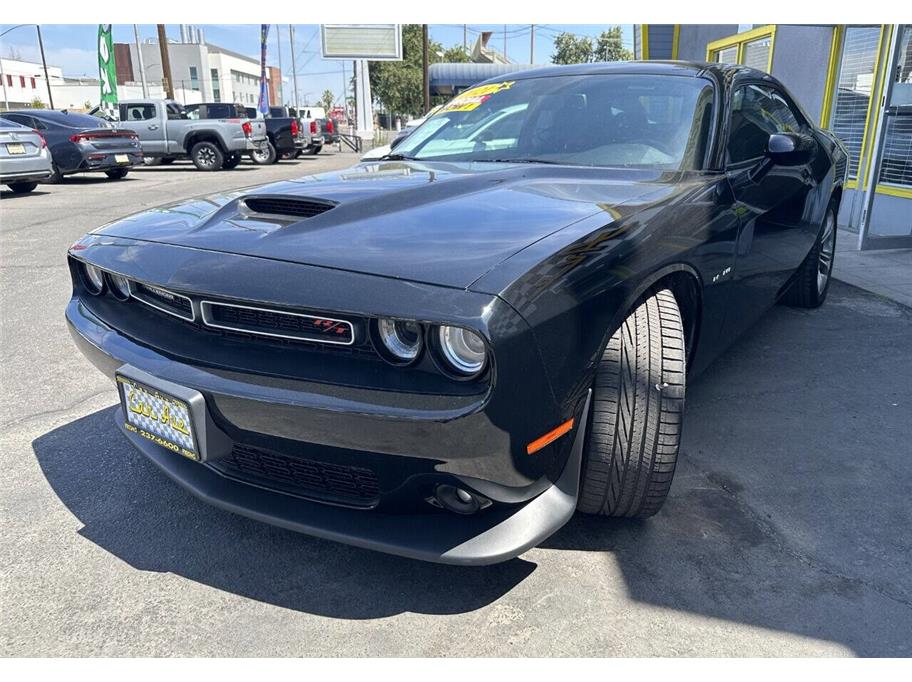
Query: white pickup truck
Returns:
{"type": "Point", "coordinates": [167, 133]}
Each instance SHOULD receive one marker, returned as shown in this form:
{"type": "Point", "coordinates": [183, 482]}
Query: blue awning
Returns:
{"type": "Point", "coordinates": [449, 79]}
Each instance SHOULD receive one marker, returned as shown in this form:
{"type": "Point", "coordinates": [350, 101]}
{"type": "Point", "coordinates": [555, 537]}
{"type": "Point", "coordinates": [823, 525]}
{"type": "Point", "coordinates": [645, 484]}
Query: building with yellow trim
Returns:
{"type": "Point", "coordinates": [853, 79]}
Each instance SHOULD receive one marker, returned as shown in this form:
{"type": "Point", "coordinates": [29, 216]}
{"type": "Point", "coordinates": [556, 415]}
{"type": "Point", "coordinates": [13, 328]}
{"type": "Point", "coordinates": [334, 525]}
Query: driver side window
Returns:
{"type": "Point", "coordinates": [756, 113]}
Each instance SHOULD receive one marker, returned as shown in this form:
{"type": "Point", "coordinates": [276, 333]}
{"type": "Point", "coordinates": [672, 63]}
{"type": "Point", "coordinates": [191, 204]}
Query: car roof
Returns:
{"type": "Point", "coordinates": [8, 123]}
{"type": "Point", "coordinates": [69, 119]}
{"type": "Point", "coordinates": [713, 70]}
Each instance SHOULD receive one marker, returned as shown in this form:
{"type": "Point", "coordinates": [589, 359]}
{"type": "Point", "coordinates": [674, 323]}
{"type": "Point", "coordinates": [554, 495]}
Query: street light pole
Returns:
{"type": "Point", "coordinates": [44, 64]}
{"type": "Point", "coordinates": [294, 69]}
{"type": "Point", "coordinates": [279, 52]}
{"type": "Point", "coordinates": [142, 70]}
{"type": "Point", "coordinates": [532, 44]}
{"type": "Point", "coordinates": [3, 78]}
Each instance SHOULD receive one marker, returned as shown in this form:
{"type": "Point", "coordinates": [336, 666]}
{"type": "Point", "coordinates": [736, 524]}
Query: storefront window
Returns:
{"type": "Point", "coordinates": [854, 83]}
{"type": "Point", "coordinates": [896, 162]}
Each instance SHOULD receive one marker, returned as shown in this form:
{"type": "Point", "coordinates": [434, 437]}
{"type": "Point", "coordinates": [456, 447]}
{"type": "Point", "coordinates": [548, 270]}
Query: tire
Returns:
{"type": "Point", "coordinates": [117, 173]}
{"type": "Point", "coordinates": [313, 151]}
{"type": "Point", "coordinates": [153, 161]}
{"type": "Point", "coordinates": [812, 279]}
{"type": "Point", "coordinates": [23, 187]}
{"type": "Point", "coordinates": [207, 156]}
{"type": "Point", "coordinates": [264, 156]}
{"type": "Point", "coordinates": [232, 161]}
{"type": "Point", "coordinates": [298, 153]}
{"type": "Point", "coordinates": [167, 160]}
{"type": "Point", "coordinates": [55, 178]}
{"type": "Point", "coordinates": [637, 413]}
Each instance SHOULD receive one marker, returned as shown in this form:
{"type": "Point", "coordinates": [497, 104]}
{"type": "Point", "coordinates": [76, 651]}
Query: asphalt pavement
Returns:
{"type": "Point", "coordinates": [787, 531]}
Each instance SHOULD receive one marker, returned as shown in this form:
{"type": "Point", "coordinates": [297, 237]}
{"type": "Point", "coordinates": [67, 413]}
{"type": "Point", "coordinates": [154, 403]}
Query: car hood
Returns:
{"type": "Point", "coordinates": [445, 224]}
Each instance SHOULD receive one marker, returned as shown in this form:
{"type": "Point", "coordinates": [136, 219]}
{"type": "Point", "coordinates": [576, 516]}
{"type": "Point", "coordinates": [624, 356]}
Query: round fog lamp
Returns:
{"type": "Point", "coordinates": [94, 278]}
{"type": "Point", "coordinates": [401, 338]}
{"type": "Point", "coordinates": [463, 349]}
{"type": "Point", "coordinates": [120, 287]}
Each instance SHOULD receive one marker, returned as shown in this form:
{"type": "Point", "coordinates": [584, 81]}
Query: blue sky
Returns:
{"type": "Point", "coordinates": [72, 46]}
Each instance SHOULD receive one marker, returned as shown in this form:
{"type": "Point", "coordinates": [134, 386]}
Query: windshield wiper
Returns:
{"type": "Point", "coordinates": [397, 157]}
{"type": "Point", "coordinates": [547, 161]}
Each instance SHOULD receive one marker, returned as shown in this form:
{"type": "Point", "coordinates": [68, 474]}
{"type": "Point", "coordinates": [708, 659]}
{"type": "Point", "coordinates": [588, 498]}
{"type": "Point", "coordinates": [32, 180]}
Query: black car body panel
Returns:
{"type": "Point", "coordinates": [96, 148]}
{"type": "Point", "coordinates": [543, 262]}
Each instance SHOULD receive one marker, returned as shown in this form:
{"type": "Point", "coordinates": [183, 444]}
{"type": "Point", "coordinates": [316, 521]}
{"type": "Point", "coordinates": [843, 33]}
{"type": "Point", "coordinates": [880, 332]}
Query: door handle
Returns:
{"type": "Point", "coordinates": [153, 127]}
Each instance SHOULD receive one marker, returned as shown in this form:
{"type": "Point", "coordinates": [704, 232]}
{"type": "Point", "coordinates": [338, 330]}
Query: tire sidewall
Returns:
{"type": "Point", "coordinates": [218, 157]}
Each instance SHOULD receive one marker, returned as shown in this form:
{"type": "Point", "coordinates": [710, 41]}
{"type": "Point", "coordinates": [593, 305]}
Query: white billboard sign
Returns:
{"type": "Point", "coordinates": [376, 42]}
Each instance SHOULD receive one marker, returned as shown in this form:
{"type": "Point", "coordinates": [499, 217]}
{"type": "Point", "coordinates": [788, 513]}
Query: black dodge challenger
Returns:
{"type": "Point", "coordinates": [446, 353]}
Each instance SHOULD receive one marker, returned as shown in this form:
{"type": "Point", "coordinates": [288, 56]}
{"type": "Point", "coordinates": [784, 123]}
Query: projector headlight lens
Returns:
{"type": "Point", "coordinates": [401, 338]}
{"type": "Point", "coordinates": [94, 278]}
{"type": "Point", "coordinates": [120, 286]}
{"type": "Point", "coordinates": [463, 350]}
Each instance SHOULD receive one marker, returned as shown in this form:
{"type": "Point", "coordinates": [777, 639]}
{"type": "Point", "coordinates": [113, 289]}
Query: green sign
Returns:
{"type": "Point", "coordinates": [107, 72]}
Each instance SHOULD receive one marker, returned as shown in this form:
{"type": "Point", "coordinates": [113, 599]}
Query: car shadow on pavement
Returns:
{"type": "Point", "coordinates": [9, 194]}
{"type": "Point", "coordinates": [128, 508]}
{"type": "Point", "coordinates": [790, 508]}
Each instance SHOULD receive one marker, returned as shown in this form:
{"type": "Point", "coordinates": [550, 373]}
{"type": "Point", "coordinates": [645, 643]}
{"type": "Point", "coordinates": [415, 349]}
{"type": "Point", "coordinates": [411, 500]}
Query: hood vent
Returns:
{"type": "Point", "coordinates": [286, 207]}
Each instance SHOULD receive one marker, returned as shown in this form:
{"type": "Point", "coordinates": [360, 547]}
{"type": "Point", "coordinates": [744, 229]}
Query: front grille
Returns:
{"type": "Point", "coordinates": [351, 485]}
{"type": "Point", "coordinates": [164, 300]}
{"type": "Point", "coordinates": [277, 323]}
{"type": "Point", "coordinates": [287, 206]}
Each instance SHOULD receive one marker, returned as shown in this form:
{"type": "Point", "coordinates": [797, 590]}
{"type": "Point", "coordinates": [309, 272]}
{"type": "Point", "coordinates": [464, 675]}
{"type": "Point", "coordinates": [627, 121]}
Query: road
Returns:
{"type": "Point", "coordinates": [786, 532]}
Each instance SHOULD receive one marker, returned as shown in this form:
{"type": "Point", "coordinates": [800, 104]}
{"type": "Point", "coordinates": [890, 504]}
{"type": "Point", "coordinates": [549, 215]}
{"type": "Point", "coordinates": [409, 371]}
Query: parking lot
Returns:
{"type": "Point", "coordinates": [786, 532]}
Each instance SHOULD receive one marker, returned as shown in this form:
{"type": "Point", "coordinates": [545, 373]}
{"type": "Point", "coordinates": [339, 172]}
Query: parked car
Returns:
{"type": "Point", "coordinates": [24, 157]}
{"type": "Point", "coordinates": [311, 120]}
{"type": "Point", "coordinates": [446, 354]}
{"type": "Point", "coordinates": [79, 143]}
{"type": "Point", "coordinates": [168, 133]}
{"type": "Point", "coordinates": [285, 137]}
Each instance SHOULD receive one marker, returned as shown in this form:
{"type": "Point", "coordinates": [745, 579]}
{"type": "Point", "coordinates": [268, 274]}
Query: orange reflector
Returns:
{"type": "Point", "coordinates": [549, 437]}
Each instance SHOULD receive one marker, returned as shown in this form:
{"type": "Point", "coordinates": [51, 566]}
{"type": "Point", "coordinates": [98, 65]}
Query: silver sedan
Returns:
{"type": "Point", "coordinates": [24, 157]}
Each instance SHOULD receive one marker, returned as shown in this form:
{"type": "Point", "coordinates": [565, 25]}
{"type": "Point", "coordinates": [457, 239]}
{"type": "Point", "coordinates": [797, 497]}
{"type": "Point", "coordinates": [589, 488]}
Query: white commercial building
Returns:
{"type": "Point", "coordinates": [24, 82]}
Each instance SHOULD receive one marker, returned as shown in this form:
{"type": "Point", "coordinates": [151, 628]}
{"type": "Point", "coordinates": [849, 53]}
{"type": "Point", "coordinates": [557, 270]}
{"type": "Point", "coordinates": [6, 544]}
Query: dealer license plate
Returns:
{"type": "Point", "coordinates": [15, 148]}
{"type": "Point", "coordinates": [157, 416]}
{"type": "Point", "coordinates": [122, 158]}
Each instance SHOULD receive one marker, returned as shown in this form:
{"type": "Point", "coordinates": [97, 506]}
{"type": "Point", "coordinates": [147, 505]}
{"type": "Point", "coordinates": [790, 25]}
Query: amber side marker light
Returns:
{"type": "Point", "coordinates": [549, 437]}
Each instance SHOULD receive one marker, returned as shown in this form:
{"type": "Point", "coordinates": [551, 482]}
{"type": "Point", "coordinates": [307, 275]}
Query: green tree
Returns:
{"type": "Point", "coordinates": [36, 103]}
{"type": "Point", "coordinates": [397, 85]}
{"type": "Point", "coordinates": [326, 101]}
{"type": "Point", "coordinates": [571, 49]}
{"type": "Point", "coordinates": [610, 47]}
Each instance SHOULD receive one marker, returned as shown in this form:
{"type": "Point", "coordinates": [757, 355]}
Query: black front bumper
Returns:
{"type": "Point", "coordinates": [402, 442]}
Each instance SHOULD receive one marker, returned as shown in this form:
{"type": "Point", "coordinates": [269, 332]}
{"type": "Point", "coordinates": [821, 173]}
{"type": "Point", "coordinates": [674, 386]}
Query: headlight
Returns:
{"type": "Point", "coordinates": [94, 278]}
{"type": "Point", "coordinates": [464, 350]}
{"type": "Point", "coordinates": [402, 339]}
{"type": "Point", "coordinates": [120, 286]}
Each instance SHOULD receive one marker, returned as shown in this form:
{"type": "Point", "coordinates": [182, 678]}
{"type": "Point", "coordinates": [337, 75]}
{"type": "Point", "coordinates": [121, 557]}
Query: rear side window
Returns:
{"type": "Point", "coordinates": [175, 112]}
{"type": "Point", "coordinates": [137, 112]}
{"type": "Point", "coordinates": [756, 113]}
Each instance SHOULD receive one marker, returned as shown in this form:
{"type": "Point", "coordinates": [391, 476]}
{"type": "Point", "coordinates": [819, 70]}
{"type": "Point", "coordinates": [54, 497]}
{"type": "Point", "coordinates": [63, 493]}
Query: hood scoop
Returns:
{"type": "Point", "coordinates": [289, 208]}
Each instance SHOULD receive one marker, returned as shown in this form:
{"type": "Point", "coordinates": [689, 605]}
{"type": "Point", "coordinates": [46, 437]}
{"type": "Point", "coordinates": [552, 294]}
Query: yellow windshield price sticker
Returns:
{"type": "Point", "coordinates": [475, 97]}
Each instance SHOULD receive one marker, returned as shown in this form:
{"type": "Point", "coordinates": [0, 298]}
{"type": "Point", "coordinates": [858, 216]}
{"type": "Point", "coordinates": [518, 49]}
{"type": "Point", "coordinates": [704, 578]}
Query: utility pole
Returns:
{"type": "Point", "coordinates": [425, 84]}
{"type": "Point", "coordinates": [279, 51]}
{"type": "Point", "coordinates": [505, 42]}
{"type": "Point", "coordinates": [344, 94]}
{"type": "Point", "coordinates": [465, 38]}
{"type": "Point", "coordinates": [166, 61]}
{"type": "Point", "coordinates": [44, 64]}
{"type": "Point", "coordinates": [294, 69]}
{"type": "Point", "coordinates": [142, 69]}
{"type": "Point", "coordinates": [532, 44]}
{"type": "Point", "coordinates": [3, 78]}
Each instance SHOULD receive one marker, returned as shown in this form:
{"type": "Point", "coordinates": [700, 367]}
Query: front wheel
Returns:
{"type": "Point", "coordinates": [117, 173]}
{"type": "Point", "coordinates": [265, 155]}
{"type": "Point", "coordinates": [812, 280]}
{"type": "Point", "coordinates": [207, 156]}
{"type": "Point", "coordinates": [637, 413]}
{"type": "Point", "coordinates": [22, 187]}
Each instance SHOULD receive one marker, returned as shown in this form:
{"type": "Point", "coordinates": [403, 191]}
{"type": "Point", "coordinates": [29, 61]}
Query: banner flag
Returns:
{"type": "Point", "coordinates": [263, 105]}
{"type": "Point", "coordinates": [107, 72]}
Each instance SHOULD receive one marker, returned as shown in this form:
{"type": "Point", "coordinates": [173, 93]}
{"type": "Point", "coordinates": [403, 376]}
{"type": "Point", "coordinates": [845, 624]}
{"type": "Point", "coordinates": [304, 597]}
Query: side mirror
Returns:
{"type": "Point", "coordinates": [789, 149]}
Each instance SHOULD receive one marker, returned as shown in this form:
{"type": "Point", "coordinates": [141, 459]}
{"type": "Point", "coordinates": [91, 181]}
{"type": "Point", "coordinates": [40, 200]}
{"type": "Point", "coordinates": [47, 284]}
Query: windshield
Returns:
{"type": "Point", "coordinates": [592, 120]}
